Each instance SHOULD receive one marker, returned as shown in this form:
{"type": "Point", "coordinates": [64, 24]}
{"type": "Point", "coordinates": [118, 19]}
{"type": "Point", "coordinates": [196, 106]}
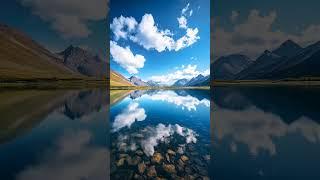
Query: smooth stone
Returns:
{"type": "Point", "coordinates": [189, 177]}
{"type": "Point", "coordinates": [120, 162]}
{"type": "Point", "coordinates": [169, 168]}
{"type": "Point", "coordinates": [152, 171]}
{"type": "Point", "coordinates": [139, 152]}
{"type": "Point", "coordinates": [170, 152]}
{"type": "Point", "coordinates": [142, 167]}
{"type": "Point", "coordinates": [180, 150]}
{"type": "Point", "coordinates": [157, 157]}
{"type": "Point", "coordinates": [123, 155]}
{"type": "Point", "coordinates": [135, 160]}
{"type": "Point", "coordinates": [180, 163]}
{"type": "Point", "coordinates": [160, 178]}
{"type": "Point", "coordinates": [205, 178]}
{"type": "Point", "coordinates": [167, 157]}
{"type": "Point", "coordinates": [206, 157]}
{"type": "Point", "coordinates": [137, 176]}
{"type": "Point", "coordinates": [188, 170]}
{"type": "Point", "coordinates": [184, 158]}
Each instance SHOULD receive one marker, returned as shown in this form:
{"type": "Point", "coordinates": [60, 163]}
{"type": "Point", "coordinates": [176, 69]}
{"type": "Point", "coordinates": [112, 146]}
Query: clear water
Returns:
{"type": "Point", "coordinates": [164, 132]}
{"type": "Point", "coordinates": [54, 134]}
{"type": "Point", "coordinates": [265, 133]}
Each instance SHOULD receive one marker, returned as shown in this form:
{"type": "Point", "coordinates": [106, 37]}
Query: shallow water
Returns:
{"type": "Point", "coordinates": [54, 134]}
{"type": "Point", "coordinates": [160, 133]}
{"type": "Point", "coordinates": [265, 133]}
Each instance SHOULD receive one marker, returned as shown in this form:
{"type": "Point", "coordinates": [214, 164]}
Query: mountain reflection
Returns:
{"type": "Point", "coordinates": [45, 143]}
{"type": "Point", "coordinates": [180, 98]}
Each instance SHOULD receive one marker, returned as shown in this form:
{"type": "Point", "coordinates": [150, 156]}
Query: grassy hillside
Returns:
{"type": "Point", "coordinates": [117, 79]}
{"type": "Point", "coordinates": [22, 58]}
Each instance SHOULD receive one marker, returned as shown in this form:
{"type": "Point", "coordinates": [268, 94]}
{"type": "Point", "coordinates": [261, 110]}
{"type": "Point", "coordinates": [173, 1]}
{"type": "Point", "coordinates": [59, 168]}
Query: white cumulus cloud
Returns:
{"type": "Point", "coordinates": [69, 17]}
{"type": "Point", "coordinates": [182, 22]}
{"type": "Point", "coordinates": [119, 24]}
{"type": "Point", "coordinates": [148, 35]}
{"type": "Point", "coordinates": [125, 58]}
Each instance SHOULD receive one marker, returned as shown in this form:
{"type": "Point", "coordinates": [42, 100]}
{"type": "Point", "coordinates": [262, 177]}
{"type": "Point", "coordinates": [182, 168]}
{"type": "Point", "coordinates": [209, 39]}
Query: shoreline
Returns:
{"type": "Point", "coordinates": [53, 83]}
{"type": "Point", "coordinates": [265, 83]}
{"type": "Point", "coordinates": [160, 88]}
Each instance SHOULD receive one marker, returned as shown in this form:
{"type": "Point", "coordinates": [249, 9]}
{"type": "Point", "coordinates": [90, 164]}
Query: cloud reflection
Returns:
{"type": "Point", "coordinates": [258, 129]}
{"type": "Point", "coordinates": [150, 137]}
{"type": "Point", "coordinates": [128, 116]}
{"type": "Point", "coordinates": [72, 158]}
{"type": "Point", "coordinates": [188, 102]}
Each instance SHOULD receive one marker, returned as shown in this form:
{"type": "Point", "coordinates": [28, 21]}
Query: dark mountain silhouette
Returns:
{"type": "Point", "coordinates": [226, 67]}
{"type": "Point", "coordinates": [83, 62]}
{"type": "Point", "coordinates": [138, 82]}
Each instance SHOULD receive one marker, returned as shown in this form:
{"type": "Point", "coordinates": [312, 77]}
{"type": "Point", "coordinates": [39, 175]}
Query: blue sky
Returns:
{"type": "Point", "coordinates": [250, 27]}
{"type": "Point", "coordinates": [156, 54]}
{"type": "Point", "coordinates": [40, 20]}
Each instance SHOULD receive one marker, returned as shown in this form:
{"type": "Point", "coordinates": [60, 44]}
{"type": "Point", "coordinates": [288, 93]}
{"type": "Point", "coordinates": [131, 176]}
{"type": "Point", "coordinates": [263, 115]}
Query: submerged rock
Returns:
{"type": "Point", "coordinates": [180, 150]}
{"type": "Point", "coordinates": [123, 155]}
{"type": "Point", "coordinates": [139, 152]}
{"type": "Point", "coordinates": [170, 152]}
{"type": "Point", "coordinates": [169, 168]}
{"type": "Point", "coordinates": [157, 157]}
{"type": "Point", "coordinates": [120, 162]}
{"type": "Point", "coordinates": [167, 157]}
{"type": "Point", "coordinates": [152, 172]}
{"type": "Point", "coordinates": [141, 167]}
{"type": "Point", "coordinates": [206, 157]}
{"type": "Point", "coordinates": [184, 158]}
{"type": "Point", "coordinates": [180, 163]}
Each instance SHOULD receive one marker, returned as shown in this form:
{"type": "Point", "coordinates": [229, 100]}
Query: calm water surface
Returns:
{"type": "Point", "coordinates": [266, 133]}
{"type": "Point", "coordinates": [54, 135]}
{"type": "Point", "coordinates": [160, 134]}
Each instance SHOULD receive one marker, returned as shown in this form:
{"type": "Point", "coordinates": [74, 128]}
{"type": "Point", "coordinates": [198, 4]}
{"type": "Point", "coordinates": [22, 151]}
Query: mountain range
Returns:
{"type": "Point", "coordinates": [22, 58]}
{"type": "Point", "coordinates": [199, 80]}
{"type": "Point", "coordinates": [289, 60]}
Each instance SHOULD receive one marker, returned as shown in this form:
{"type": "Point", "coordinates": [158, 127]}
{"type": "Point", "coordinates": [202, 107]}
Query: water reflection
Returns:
{"type": "Point", "coordinates": [161, 134]}
{"type": "Point", "coordinates": [275, 131]}
{"type": "Point", "coordinates": [54, 134]}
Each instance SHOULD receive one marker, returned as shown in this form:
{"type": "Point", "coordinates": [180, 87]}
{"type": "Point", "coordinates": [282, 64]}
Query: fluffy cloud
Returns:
{"type": "Point", "coordinates": [185, 9]}
{"type": "Point", "coordinates": [187, 72]}
{"type": "Point", "coordinates": [191, 12]}
{"type": "Point", "coordinates": [256, 34]}
{"type": "Point", "coordinates": [125, 58]}
{"type": "Point", "coordinates": [119, 24]}
{"type": "Point", "coordinates": [188, 102]}
{"type": "Point", "coordinates": [182, 22]}
{"type": "Point", "coordinates": [69, 17]}
{"type": "Point", "coordinates": [149, 36]}
{"type": "Point", "coordinates": [187, 40]}
{"type": "Point", "coordinates": [131, 114]}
